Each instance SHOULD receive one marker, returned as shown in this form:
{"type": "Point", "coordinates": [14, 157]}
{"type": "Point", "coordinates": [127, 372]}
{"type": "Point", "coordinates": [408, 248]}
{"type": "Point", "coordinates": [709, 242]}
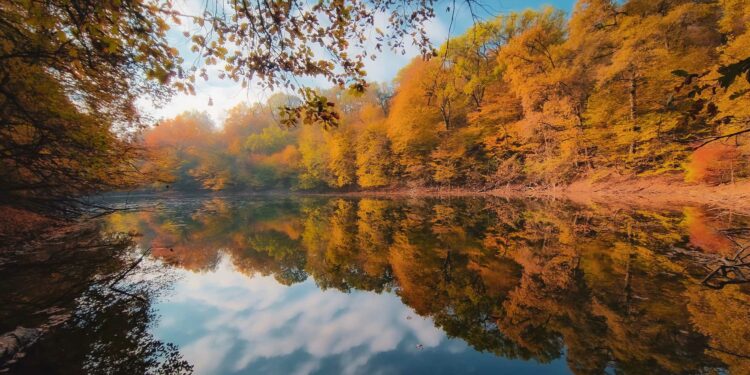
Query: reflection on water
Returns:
{"type": "Point", "coordinates": [227, 323]}
{"type": "Point", "coordinates": [469, 285]}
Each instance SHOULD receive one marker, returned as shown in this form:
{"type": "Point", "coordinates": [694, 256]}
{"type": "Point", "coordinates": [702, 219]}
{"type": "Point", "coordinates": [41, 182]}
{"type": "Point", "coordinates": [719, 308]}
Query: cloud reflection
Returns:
{"type": "Point", "coordinates": [230, 321]}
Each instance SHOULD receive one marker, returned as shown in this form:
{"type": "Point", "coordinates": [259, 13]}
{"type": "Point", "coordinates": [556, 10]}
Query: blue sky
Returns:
{"type": "Point", "coordinates": [226, 94]}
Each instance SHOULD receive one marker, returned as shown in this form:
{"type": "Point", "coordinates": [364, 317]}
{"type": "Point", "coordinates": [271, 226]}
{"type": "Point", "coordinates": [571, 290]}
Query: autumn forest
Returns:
{"type": "Point", "coordinates": [392, 187]}
{"type": "Point", "coordinates": [532, 98]}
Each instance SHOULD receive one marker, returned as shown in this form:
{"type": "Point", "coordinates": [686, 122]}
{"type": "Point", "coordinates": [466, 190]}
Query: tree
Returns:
{"type": "Point", "coordinates": [69, 78]}
{"type": "Point", "coordinates": [374, 157]}
{"type": "Point", "coordinates": [174, 147]}
{"type": "Point", "coordinates": [72, 71]}
{"type": "Point", "coordinates": [649, 42]}
{"type": "Point", "coordinates": [414, 124]}
{"type": "Point", "coordinates": [274, 41]}
{"type": "Point", "coordinates": [314, 159]}
{"type": "Point", "coordinates": [717, 95]}
{"type": "Point", "coordinates": [534, 63]}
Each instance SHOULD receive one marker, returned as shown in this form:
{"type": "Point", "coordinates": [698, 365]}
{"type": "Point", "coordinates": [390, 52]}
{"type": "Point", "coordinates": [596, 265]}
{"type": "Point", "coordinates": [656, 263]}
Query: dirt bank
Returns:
{"type": "Point", "coordinates": [657, 191]}
{"type": "Point", "coordinates": [653, 191]}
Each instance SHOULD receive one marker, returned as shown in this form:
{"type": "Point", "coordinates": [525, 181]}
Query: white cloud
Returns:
{"type": "Point", "coordinates": [224, 95]}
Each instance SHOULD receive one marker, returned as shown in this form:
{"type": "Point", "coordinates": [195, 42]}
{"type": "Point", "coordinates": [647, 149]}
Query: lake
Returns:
{"type": "Point", "coordinates": [359, 285]}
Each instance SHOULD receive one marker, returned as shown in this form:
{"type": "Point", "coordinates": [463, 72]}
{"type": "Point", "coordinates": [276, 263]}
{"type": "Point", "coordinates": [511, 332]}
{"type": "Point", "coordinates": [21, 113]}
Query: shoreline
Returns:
{"type": "Point", "coordinates": [658, 191]}
{"type": "Point", "coordinates": [663, 190]}
{"type": "Point", "coordinates": [654, 191]}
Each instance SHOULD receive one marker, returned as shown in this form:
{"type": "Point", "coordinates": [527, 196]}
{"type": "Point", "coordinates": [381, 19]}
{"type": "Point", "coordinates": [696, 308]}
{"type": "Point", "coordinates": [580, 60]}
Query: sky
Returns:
{"type": "Point", "coordinates": [225, 94]}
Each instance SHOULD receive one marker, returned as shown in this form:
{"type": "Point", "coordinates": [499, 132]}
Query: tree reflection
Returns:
{"type": "Point", "coordinates": [605, 286]}
{"type": "Point", "coordinates": [106, 330]}
{"type": "Point", "coordinates": [107, 337]}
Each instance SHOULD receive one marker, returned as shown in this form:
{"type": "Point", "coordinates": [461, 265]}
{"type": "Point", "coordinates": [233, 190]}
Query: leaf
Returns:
{"type": "Point", "coordinates": [738, 94]}
{"type": "Point", "coordinates": [730, 72]}
{"type": "Point", "coordinates": [680, 73]}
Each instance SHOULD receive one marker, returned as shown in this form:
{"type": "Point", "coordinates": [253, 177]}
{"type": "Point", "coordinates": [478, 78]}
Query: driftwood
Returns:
{"type": "Point", "coordinates": [13, 343]}
{"type": "Point", "coordinates": [734, 270]}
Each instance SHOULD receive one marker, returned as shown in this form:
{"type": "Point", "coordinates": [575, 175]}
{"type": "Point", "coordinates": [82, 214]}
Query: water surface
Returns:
{"type": "Point", "coordinates": [303, 285]}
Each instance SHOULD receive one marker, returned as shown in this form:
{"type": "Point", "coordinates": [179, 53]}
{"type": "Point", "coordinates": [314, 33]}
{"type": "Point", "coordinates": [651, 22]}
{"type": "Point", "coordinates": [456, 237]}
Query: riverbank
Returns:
{"type": "Point", "coordinates": [661, 191]}
{"type": "Point", "coordinates": [22, 227]}
{"type": "Point", "coordinates": [664, 190]}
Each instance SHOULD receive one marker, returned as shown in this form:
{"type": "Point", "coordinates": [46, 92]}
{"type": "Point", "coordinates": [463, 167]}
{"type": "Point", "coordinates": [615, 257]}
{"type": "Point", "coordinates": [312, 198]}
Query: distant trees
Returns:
{"type": "Point", "coordinates": [374, 156]}
{"type": "Point", "coordinates": [414, 122]}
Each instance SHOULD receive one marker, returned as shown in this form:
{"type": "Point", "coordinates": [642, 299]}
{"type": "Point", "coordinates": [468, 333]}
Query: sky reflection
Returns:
{"type": "Point", "coordinates": [227, 322]}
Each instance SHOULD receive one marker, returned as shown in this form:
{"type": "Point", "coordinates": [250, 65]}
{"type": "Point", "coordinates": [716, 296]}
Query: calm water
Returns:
{"type": "Point", "coordinates": [300, 285]}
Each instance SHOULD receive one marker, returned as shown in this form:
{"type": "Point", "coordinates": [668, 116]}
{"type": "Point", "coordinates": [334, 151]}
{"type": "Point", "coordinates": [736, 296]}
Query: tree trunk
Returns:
{"type": "Point", "coordinates": [633, 93]}
{"type": "Point", "coordinates": [445, 112]}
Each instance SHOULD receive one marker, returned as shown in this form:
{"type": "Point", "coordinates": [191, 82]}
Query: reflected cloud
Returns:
{"type": "Point", "coordinates": [253, 318]}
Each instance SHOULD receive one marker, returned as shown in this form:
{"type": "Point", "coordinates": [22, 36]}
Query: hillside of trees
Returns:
{"type": "Point", "coordinates": [535, 98]}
